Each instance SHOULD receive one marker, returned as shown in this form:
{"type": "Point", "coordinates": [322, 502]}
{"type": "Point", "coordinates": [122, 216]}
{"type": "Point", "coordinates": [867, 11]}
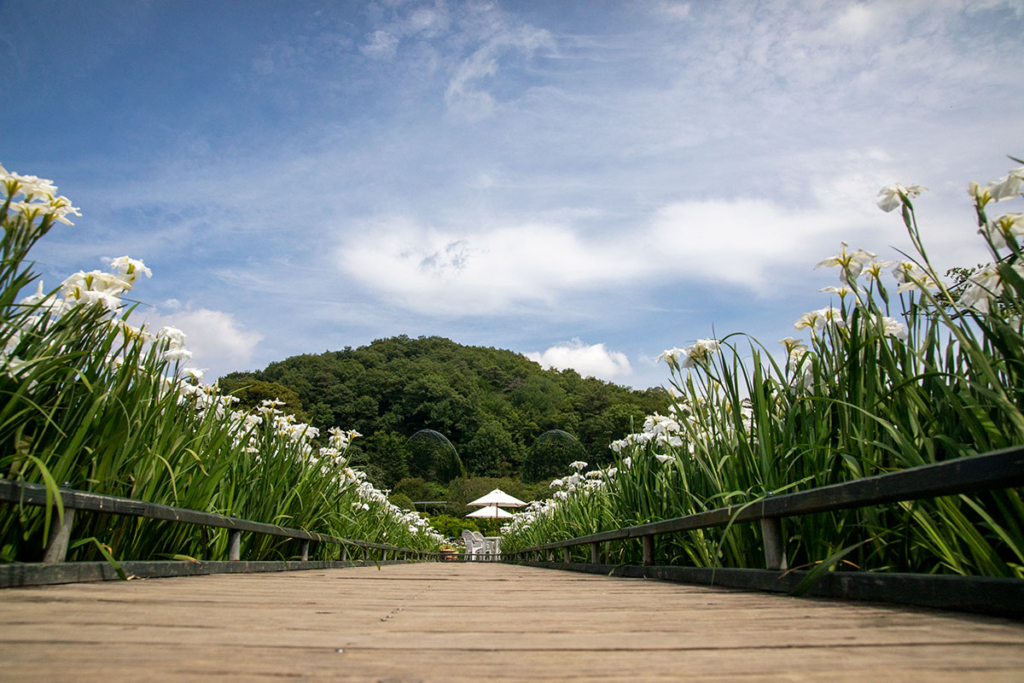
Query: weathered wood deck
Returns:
{"type": "Point", "coordinates": [480, 622]}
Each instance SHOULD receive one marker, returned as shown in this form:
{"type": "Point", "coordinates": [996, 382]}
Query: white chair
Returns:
{"type": "Point", "coordinates": [474, 543]}
{"type": "Point", "coordinates": [493, 546]}
{"type": "Point", "coordinates": [486, 551]}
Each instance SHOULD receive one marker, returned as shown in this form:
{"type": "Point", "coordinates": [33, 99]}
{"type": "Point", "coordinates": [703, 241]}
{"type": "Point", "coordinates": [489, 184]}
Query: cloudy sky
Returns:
{"type": "Point", "coordinates": [585, 182]}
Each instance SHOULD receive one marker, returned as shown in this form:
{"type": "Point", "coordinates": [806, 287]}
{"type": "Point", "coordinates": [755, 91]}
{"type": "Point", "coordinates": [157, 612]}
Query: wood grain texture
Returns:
{"type": "Point", "coordinates": [480, 622]}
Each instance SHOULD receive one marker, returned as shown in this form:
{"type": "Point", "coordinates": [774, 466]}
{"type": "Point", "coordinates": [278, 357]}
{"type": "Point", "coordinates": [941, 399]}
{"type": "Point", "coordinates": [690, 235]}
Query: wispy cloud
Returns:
{"type": "Point", "coordinates": [465, 95]}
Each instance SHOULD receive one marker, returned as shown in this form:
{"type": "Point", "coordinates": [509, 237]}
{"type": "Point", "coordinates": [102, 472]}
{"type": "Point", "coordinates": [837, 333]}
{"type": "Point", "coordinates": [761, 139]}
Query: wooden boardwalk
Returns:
{"type": "Point", "coordinates": [480, 622]}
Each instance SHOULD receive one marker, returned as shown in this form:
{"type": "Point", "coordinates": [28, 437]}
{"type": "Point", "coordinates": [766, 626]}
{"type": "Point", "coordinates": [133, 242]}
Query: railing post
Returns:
{"type": "Point", "coordinates": [57, 545]}
{"type": "Point", "coordinates": [234, 545]}
{"type": "Point", "coordinates": [648, 542]}
{"type": "Point", "coordinates": [595, 554]}
{"type": "Point", "coordinates": [305, 551]}
{"type": "Point", "coordinates": [565, 555]}
{"type": "Point", "coordinates": [551, 555]}
{"type": "Point", "coordinates": [771, 535]}
{"type": "Point", "coordinates": [344, 553]}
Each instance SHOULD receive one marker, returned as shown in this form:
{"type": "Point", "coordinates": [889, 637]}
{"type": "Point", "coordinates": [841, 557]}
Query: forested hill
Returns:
{"type": "Point", "coordinates": [492, 404]}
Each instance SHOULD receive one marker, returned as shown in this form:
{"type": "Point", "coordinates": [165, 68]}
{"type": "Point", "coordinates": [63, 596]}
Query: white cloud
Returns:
{"type": "Point", "coordinates": [457, 272]}
{"type": "Point", "coordinates": [496, 266]}
{"type": "Point", "coordinates": [858, 21]}
{"type": "Point", "coordinates": [216, 339]}
{"type": "Point", "coordinates": [673, 10]}
{"type": "Point", "coordinates": [381, 45]}
{"type": "Point", "coordinates": [590, 360]}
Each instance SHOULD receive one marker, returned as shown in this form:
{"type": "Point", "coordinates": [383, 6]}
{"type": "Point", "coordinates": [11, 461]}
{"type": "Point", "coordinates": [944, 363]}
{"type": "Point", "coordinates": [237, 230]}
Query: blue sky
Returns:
{"type": "Point", "coordinates": [589, 182]}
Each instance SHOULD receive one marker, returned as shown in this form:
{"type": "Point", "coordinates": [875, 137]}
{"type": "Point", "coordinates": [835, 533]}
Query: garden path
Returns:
{"type": "Point", "coordinates": [480, 622]}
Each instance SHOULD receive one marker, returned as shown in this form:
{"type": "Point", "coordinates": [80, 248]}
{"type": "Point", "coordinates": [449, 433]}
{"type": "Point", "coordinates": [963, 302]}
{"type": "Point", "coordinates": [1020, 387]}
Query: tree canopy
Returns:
{"type": "Point", "coordinates": [491, 404]}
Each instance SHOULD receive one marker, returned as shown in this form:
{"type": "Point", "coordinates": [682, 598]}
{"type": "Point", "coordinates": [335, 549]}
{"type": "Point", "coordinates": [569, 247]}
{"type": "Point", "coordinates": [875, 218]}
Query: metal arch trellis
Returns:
{"type": "Point", "coordinates": [561, 435]}
{"type": "Point", "coordinates": [434, 437]}
{"type": "Point", "coordinates": [557, 438]}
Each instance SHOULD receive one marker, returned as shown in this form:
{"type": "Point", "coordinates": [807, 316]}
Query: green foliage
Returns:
{"type": "Point", "coordinates": [402, 501]}
{"type": "Point", "coordinates": [433, 457]}
{"type": "Point", "coordinates": [491, 448]}
{"type": "Point", "coordinates": [385, 458]}
{"type": "Point", "coordinates": [419, 489]}
{"type": "Point", "coordinates": [490, 403]}
{"type": "Point", "coordinates": [452, 527]}
{"type": "Point", "coordinates": [252, 392]}
{"type": "Point", "coordinates": [91, 402]}
{"type": "Point", "coordinates": [550, 455]}
{"type": "Point", "coordinates": [889, 380]}
{"type": "Point", "coordinates": [490, 527]}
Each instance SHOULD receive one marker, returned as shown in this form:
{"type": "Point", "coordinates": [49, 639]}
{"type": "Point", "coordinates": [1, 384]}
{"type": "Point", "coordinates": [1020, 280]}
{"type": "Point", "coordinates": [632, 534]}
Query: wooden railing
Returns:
{"type": "Point", "coordinates": [60, 534]}
{"type": "Point", "coordinates": [997, 470]}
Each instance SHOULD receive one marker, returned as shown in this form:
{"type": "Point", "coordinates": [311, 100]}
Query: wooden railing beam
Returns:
{"type": "Point", "coordinates": [35, 494]}
{"type": "Point", "coordinates": [971, 474]}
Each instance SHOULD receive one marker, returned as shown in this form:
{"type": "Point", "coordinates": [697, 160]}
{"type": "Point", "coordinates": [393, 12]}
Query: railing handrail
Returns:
{"type": "Point", "coordinates": [999, 469]}
{"type": "Point", "coordinates": [35, 494]}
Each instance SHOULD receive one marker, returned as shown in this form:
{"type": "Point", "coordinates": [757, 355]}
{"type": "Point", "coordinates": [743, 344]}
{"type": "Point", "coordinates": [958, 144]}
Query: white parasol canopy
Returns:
{"type": "Point", "coordinates": [498, 497]}
{"type": "Point", "coordinates": [491, 512]}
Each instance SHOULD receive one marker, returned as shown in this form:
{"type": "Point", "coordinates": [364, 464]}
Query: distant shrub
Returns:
{"type": "Point", "coordinates": [402, 501]}
{"type": "Point", "coordinates": [452, 527]}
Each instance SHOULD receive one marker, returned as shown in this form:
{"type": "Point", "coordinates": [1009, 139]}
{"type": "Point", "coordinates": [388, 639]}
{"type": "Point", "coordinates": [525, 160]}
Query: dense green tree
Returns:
{"type": "Point", "coordinates": [401, 500]}
{"type": "Point", "coordinates": [387, 458]}
{"type": "Point", "coordinates": [489, 449]}
{"type": "Point", "coordinates": [550, 455]}
{"type": "Point", "coordinates": [251, 392]}
{"type": "Point", "coordinates": [433, 457]}
{"type": "Point", "coordinates": [419, 489]}
{"type": "Point", "coordinates": [490, 403]}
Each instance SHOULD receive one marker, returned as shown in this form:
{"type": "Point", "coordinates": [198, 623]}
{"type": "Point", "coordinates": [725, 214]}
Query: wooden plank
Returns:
{"type": "Point", "coordinates": [481, 621]}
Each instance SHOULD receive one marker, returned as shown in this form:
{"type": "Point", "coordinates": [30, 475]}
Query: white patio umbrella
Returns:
{"type": "Point", "coordinates": [498, 497]}
{"type": "Point", "coordinates": [491, 512]}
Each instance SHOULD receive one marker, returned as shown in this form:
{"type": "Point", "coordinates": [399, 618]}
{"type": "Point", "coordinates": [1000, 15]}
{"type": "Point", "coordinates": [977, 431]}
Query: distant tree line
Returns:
{"type": "Point", "coordinates": [491, 404]}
